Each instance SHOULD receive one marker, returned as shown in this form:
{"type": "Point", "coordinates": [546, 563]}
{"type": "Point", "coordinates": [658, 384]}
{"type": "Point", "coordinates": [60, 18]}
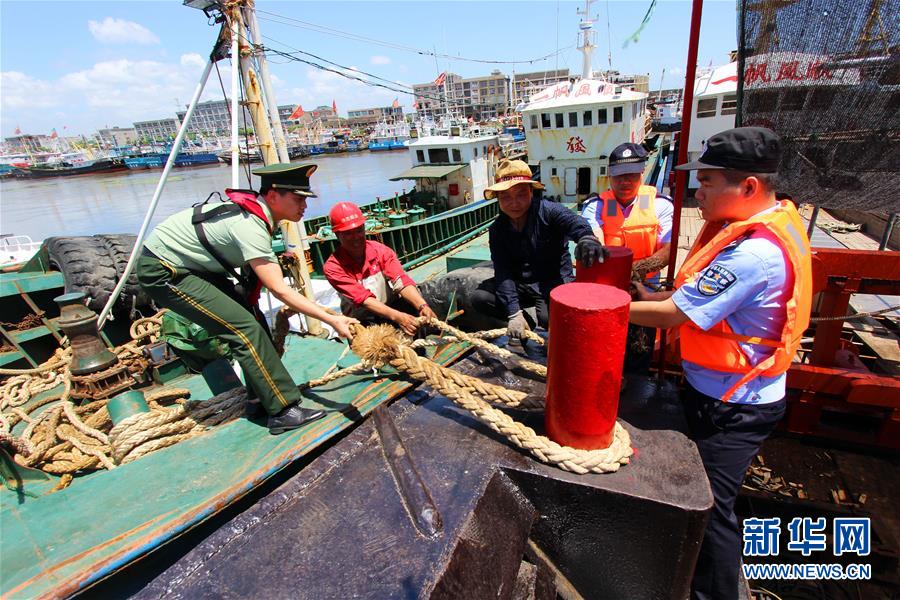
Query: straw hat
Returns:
{"type": "Point", "coordinates": [510, 173]}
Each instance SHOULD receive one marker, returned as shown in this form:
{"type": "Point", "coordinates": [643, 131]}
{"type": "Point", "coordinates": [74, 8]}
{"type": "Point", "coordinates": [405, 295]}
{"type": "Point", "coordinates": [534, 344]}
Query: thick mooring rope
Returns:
{"type": "Point", "coordinates": [379, 345]}
{"type": "Point", "coordinates": [478, 341]}
{"type": "Point", "coordinates": [65, 438]}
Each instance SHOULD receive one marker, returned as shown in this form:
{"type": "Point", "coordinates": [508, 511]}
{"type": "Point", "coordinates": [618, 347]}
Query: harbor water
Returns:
{"type": "Point", "coordinates": [116, 202]}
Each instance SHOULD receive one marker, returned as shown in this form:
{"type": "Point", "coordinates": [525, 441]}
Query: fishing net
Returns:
{"type": "Point", "coordinates": [825, 74]}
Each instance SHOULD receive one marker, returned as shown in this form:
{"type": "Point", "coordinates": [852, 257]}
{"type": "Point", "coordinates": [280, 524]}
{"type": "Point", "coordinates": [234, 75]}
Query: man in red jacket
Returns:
{"type": "Point", "coordinates": [368, 276]}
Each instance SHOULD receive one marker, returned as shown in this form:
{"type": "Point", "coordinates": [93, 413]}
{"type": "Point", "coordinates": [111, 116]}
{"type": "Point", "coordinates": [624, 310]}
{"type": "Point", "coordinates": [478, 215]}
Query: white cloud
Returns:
{"type": "Point", "coordinates": [120, 31]}
{"type": "Point", "coordinates": [192, 60]}
{"type": "Point", "coordinates": [379, 60]}
{"type": "Point", "coordinates": [23, 91]}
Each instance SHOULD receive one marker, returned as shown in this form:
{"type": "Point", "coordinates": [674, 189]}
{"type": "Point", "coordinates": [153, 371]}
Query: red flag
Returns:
{"type": "Point", "coordinates": [440, 79]}
{"type": "Point", "coordinates": [298, 112]}
{"type": "Point", "coordinates": [18, 130]}
{"type": "Point", "coordinates": [334, 106]}
{"type": "Point", "coordinates": [53, 134]}
{"type": "Point", "coordinates": [395, 103]}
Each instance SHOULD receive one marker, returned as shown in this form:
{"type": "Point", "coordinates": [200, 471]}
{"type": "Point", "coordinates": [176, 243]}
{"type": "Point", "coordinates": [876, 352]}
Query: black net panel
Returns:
{"type": "Point", "coordinates": [825, 74]}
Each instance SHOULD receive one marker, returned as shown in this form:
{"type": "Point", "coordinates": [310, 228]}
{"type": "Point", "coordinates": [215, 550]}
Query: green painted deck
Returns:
{"type": "Point", "coordinates": [56, 544]}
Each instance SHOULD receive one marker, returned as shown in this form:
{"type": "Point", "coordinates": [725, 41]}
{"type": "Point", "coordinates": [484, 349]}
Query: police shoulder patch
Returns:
{"type": "Point", "coordinates": [715, 280]}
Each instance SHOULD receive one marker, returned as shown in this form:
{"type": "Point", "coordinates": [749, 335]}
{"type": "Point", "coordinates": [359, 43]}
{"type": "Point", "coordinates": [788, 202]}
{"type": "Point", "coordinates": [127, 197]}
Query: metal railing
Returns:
{"type": "Point", "coordinates": [417, 240]}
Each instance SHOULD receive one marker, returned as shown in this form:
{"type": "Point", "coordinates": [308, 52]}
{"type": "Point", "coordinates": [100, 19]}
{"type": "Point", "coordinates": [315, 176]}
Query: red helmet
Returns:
{"type": "Point", "coordinates": [346, 216]}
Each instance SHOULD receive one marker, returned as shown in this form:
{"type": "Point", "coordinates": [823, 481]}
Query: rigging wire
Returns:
{"type": "Point", "coordinates": [353, 36]}
{"type": "Point", "coordinates": [353, 77]}
{"type": "Point", "coordinates": [290, 56]}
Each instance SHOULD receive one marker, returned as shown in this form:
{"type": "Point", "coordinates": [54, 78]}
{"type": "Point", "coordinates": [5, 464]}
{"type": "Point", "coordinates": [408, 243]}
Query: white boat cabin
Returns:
{"type": "Point", "coordinates": [571, 128]}
{"type": "Point", "coordinates": [455, 167]}
{"type": "Point", "coordinates": [713, 110]}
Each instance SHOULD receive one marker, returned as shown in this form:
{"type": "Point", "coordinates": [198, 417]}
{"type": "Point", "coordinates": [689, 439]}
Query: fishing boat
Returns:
{"type": "Point", "coordinates": [71, 167]}
{"type": "Point", "coordinates": [389, 136]}
{"type": "Point", "coordinates": [184, 159]}
{"type": "Point", "coordinates": [572, 127]}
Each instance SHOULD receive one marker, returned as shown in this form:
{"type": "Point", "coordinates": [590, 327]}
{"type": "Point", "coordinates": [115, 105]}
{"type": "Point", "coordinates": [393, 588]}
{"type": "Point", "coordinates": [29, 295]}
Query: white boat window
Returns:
{"type": "Point", "coordinates": [476, 151]}
{"type": "Point", "coordinates": [553, 172]}
{"type": "Point", "coordinates": [573, 119]}
{"type": "Point", "coordinates": [617, 114]}
{"type": "Point", "coordinates": [457, 157]}
{"type": "Point", "coordinates": [534, 122]}
{"type": "Point", "coordinates": [706, 108]}
{"type": "Point", "coordinates": [545, 120]}
{"type": "Point", "coordinates": [587, 118]}
{"type": "Point", "coordinates": [420, 155]}
{"type": "Point", "coordinates": [603, 170]}
{"type": "Point", "coordinates": [601, 116]}
{"type": "Point", "coordinates": [559, 120]}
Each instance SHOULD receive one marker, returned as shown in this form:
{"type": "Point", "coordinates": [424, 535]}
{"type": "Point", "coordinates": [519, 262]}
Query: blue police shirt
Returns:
{"type": "Point", "coordinates": [747, 285]}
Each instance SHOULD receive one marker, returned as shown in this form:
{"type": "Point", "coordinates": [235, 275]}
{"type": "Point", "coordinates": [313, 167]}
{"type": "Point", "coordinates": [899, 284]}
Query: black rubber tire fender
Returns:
{"type": "Point", "coordinates": [119, 246]}
{"type": "Point", "coordinates": [86, 266]}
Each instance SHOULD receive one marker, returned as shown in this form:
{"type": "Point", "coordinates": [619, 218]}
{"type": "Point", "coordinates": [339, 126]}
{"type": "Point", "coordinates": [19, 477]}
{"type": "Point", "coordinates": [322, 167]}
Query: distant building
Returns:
{"type": "Point", "coordinates": [160, 130]}
{"type": "Point", "coordinates": [213, 118]}
{"type": "Point", "coordinates": [27, 143]}
{"type": "Point", "coordinates": [371, 116]}
{"type": "Point", "coordinates": [526, 84]}
{"type": "Point", "coordinates": [477, 97]}
{"type": "Point", "coordinates": [118, 136]}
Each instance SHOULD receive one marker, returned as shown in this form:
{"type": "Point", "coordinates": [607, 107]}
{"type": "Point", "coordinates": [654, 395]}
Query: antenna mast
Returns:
{"type": "Point", "coordinates": [586, 26]}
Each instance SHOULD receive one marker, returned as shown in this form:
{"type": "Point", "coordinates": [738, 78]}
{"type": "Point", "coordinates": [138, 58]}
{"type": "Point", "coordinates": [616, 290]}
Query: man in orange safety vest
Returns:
{"type": "Point", "coordinates": [741, 304]}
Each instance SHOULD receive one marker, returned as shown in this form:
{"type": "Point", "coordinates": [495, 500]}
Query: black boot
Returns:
{"type": "Point", "coordinates": [293, 417]}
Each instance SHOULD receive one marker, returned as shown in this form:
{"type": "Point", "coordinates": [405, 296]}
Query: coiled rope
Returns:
{"type": "Point", "coordinates": [66, 438]}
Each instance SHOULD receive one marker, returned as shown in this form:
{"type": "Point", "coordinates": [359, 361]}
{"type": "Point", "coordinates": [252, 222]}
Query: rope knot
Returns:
{"type": "Point", "coordinates": [376, 345]}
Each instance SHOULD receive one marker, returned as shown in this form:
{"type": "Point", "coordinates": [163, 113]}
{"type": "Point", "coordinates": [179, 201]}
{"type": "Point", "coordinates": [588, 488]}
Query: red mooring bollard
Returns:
{"type": "Point", "coordinates": [615, 270]}
{"type": "Point", "coordinates": [588, 325]}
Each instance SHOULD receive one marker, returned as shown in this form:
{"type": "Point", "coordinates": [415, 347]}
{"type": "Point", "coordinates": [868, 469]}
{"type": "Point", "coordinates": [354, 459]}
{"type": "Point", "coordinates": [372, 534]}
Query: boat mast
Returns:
{"type": "Point", "coordinates": [586, 25]}
{"type": "Point", "coordinates": [268, 91]}
{"type": "Point", "coordinates": [235, 93]}
{"type": "Point", "coordinates": [293, 232]}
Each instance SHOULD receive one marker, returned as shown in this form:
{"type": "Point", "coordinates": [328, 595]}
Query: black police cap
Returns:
{"type": "Point", "coordinates": [751, 149]}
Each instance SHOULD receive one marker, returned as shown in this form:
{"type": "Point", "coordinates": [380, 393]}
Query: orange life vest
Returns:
{"type": "Point", "coordinates": [639, 230]}
{"type": "Point", "coordinates": [718, 349]}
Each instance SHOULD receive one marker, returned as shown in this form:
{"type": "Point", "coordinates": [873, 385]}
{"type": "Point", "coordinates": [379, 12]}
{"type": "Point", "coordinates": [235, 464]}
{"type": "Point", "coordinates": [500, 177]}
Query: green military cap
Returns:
{"type": "Point", "coordinates": [288, 176]}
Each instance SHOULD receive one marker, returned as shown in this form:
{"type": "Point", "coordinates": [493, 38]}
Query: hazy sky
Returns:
{"type": "Point", "coordinates": [77, 66]}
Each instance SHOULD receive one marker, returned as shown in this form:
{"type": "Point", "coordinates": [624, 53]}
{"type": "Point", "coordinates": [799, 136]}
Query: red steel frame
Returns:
{"type": "Point", "coordinates": [838, 273]}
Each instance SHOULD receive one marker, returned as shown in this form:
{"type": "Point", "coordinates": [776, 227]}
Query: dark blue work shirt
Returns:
{"type": "Point", "coordinates": [538, 255]}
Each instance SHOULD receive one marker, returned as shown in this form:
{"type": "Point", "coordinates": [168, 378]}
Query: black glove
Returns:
{"type": "Point", "coordinates": [589, 250]}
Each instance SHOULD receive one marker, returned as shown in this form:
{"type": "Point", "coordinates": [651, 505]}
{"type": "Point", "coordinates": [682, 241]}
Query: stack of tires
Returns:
{"type": "Point", "coordinates": [93, 265]}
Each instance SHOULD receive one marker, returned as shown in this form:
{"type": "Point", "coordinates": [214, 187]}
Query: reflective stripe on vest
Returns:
{"type": "Point", "coordinates": [719, 349]}
{"type": "Point", "coordinates": [639, 230]}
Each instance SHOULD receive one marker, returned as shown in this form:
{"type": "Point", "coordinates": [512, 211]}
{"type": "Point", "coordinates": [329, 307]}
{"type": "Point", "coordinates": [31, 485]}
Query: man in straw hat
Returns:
{"type": "Point", "coordinates": [190, 260]}
{"type": "Point", "coordinates": [740, 307]}
{"type": "Point", "coordinates": [529, 249]}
